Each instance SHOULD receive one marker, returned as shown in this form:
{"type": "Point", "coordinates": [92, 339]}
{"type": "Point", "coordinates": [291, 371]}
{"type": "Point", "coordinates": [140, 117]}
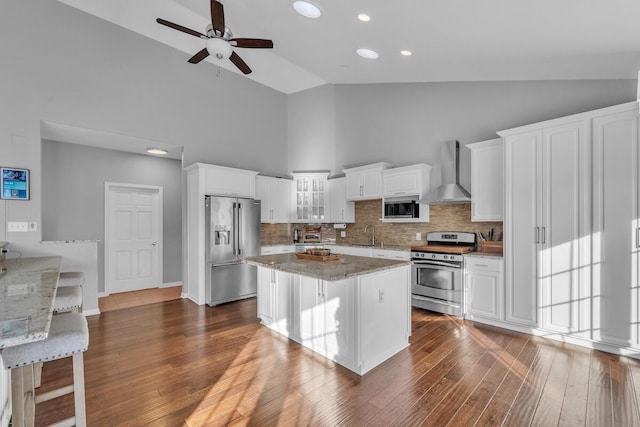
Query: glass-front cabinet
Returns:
{"type": "Point", "coordinates": [310, 197]}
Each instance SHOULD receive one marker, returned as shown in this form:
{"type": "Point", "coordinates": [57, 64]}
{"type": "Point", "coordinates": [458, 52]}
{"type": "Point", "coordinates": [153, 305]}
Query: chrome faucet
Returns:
{"type": "Point", "coordinates": [373, 233]}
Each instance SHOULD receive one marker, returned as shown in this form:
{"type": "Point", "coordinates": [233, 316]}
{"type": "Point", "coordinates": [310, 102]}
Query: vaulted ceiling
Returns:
{"type": "Point", "coordinates": [450, 40]}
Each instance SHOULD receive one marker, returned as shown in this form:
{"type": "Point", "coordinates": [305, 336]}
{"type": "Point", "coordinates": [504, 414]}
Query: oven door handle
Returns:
{"type": "Point", "coordinates": [437, 263]}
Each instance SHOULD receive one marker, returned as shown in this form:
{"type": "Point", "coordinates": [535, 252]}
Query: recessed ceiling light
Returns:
{"type": "Point", "coordinates": [368, 53]}
{"type": "Point", "coordinates": [364, 17]}
{"type": "Point", "coordinates": [156, 151]}
{"type": "Point", "coordinates": [405, 53]}
{"type": "Point", "coordinates": [307, 9]}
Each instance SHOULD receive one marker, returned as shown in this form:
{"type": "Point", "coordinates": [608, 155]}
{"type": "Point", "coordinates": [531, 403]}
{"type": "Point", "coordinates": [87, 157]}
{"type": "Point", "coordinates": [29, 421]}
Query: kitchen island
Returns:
{"type": "Point", "coordinates": [354, 310]}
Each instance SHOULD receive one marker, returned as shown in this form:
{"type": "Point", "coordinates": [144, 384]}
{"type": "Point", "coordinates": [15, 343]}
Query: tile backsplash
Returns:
{"type": "Point", "coordinates": [449, 217]}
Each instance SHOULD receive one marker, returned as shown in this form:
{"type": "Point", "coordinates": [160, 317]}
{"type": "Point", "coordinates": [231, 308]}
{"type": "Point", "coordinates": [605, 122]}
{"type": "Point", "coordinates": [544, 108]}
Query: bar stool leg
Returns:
{"type": "Point", "coordinates": [37, 374]}
{"type": "Point", "coordinates": [23, 413]}
{"type": "Point", "coordinates": [78, 389]}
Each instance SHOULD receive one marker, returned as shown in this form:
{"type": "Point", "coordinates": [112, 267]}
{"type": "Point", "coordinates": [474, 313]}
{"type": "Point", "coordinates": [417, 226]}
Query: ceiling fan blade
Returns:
{"type": "Point", "coordinates": [179, 28]}
{"type": "Point", "coordinates": [199, 56]}
{"type": "Point", "coordinates": [238, 62]}
{"type": "Point", "coordinates": [217, 17]}
{"type": "Point", "coordinates": [253, 43]}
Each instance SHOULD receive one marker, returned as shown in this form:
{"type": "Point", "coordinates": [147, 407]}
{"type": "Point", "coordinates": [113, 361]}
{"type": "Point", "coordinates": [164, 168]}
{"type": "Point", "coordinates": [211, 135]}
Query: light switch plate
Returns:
{"type": "Point", "coordinates": [343, 234]}
{"type": "Point", "coordinates": [418, 236]}
{"type": "Point", "coordinates": [17, 227]}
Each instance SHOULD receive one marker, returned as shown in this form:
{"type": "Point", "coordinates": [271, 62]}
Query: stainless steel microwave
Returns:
{"type": "Point", "coordinates": [401, 207]}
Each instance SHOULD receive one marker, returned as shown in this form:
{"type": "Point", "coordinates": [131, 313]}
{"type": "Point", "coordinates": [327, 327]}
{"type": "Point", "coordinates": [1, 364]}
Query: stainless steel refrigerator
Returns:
{"type": "Point", "coordinates": [233, 232]}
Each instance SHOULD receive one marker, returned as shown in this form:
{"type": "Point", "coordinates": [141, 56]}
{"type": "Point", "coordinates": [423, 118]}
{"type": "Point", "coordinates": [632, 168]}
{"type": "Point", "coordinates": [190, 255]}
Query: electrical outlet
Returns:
{"type": "Point", "coordinates": [343, 234]}
{"type": "Point", "coordinates": [33, 226]}
{"type": "Point", "coordinates": [418, 236]}
{"type": "Point", "coordinates": [17, 227]}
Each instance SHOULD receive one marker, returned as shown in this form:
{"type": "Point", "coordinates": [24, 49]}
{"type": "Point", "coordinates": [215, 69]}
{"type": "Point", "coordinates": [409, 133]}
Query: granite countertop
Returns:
{"type": "Point", "coordinates": [27, 290]}
{"type": "Point", "coordinates": [347, 266]}
{"type": "Point", "coordinates": [484, 255]}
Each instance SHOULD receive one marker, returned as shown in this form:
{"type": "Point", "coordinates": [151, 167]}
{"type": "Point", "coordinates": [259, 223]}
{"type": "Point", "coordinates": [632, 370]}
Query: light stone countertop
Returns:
{"type": "Point", "coordinates": [347, 266]}
{"type": "Point", "coordinates": [27, 290]}
{"type": "Point", "coordinates": [484, 255]}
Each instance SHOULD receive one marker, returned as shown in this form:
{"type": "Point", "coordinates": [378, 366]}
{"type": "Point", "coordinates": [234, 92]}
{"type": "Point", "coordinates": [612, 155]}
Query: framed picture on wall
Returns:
{"type": "Point", "coordinates": [14, 184]}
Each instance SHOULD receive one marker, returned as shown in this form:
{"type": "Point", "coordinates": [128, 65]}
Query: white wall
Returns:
{"type": "Point", "coordinates": [409, 123]}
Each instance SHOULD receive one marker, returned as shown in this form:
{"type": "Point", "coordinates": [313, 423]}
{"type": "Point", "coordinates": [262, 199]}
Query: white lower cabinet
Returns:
{"type": "Point", "coordinates": [358, 322]}
{"type": "Point", "coordinates": [484, 284]}
{"type": "Point", "coordinates": [391, 254]}
{"type": "Point", "coordinates": [274, 299]}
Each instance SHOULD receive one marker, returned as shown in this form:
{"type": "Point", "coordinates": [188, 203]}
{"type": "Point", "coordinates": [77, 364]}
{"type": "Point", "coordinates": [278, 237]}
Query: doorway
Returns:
{"type": "Point", "coordinates": [133, 237]}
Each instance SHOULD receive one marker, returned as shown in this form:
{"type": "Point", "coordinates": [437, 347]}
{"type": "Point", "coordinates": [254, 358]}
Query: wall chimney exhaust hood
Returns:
{"type": "Point", "coordinates": [450, 192]}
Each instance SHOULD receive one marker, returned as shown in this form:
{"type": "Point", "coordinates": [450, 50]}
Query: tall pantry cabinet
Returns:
{"type": "Point", "coordinates": [571, 226]}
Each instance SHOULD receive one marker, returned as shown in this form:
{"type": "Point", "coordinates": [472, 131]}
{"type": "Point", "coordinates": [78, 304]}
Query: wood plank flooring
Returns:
{"type": "Point", "coordinates": [178, 364]}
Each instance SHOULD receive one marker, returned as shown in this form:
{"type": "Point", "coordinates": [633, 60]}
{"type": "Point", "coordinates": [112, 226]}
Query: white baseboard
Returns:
{"type": "Point", "coordinates": [170, 285]}
{"type": "Point", "coordinates": [92, 312]}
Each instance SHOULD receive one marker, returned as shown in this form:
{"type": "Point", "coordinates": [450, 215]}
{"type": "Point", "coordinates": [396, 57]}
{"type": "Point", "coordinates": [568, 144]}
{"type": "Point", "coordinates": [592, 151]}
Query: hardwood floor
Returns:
{"type": "Point", "coordinates": [178, 364]}
{"type": "Point", "coordinates": [137, 298]}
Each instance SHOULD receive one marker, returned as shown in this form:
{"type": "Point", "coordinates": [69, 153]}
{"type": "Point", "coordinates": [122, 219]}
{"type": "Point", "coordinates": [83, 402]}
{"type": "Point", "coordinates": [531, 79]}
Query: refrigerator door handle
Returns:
{"type": "Point", "coordinates": [234, 237]}
{"type": "Point", "coordinates": [239, 228]}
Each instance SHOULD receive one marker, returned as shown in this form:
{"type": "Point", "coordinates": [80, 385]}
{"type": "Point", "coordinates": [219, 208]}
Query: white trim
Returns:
{"type": "Point", "coordinates": [160, 203]}
{"type": "Point", "coordinates": [91, 312]}
{"type": "Point", "coordinates": [170, 284]}
{"type": "Point", "coordinates": [103, 294]}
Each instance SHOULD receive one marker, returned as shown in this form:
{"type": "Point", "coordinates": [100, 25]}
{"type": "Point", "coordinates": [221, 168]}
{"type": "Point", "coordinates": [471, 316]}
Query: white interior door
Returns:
{"type": "Point", "coordinates": [133, 237]}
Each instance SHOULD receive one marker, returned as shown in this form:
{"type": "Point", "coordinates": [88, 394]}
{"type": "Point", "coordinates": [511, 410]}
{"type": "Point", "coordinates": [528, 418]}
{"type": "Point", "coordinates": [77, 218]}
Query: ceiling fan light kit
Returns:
{"type": "Point", "coordinates": [219, 41]}
{"type": "Point", "coordinates": [219, 48]}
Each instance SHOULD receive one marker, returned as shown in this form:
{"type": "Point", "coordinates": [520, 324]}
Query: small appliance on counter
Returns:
{"type": "Point", "coordinates": [312, 234]}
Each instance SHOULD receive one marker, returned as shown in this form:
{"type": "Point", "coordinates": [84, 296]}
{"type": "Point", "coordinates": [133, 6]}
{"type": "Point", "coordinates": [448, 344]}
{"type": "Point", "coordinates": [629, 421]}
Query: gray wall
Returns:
{"type": "Point", "coordinates": [73, 196]}
{"type": "Point", "coordinates": [62, 65]}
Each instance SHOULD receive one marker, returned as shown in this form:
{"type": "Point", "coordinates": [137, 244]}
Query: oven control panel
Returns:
{"type": "Point", "coordinates": [419, 256]}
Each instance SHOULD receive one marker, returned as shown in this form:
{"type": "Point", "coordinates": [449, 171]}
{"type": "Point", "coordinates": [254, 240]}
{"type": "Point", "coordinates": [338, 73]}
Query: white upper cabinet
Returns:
{"type": "Point", "coordinates": [487, 180]}
{"type": "Point", "coordinates": [275, 197]}
{"type": "Point", "coordinates": [365, 182]}
{"type": "Point", "coordinates": [224, 181]}
{"type": "Point", "coordinates": [341, 209]}
{"type": "Point", "coordinates": [310, 197]}
{"type": "Point", "coordinates": [413, 180]}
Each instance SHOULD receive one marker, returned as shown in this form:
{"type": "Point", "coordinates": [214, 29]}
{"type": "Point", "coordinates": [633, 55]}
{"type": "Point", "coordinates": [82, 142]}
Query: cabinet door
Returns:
{"type": "Point", "coordinates": [400, 184]}
{"type": "Point", "coordinates": [265, 295]}
{"type": "Point", "coordinates": [307, 312]}
{"type": "Point", "coordinates": [564, 248]}
{"type": "Point", "coordinates": [385, 314]}
{"type": "Point", "coordinates": [354, 185]}
{"type": "Point", "coordinates": [282, 310]}
{"type": "Point", "coordinates": [279, 200]}
{"type": "Point", "coordinates": [485, 294]}
{"type": "Point", "coordinates": [263, 193]}
{"type": "Point", "coordinates": [520, 246]}
{"type": "Point", "coordinates": [487, 181]}
{"type": "Point", "coordinates": [341, 209]}
{"type": "Point", "coordinates": [616, 299]}
{"type": "Point", "coordinates": [337, 329]}
{"type": "Point", "coordinates": [372, 183]}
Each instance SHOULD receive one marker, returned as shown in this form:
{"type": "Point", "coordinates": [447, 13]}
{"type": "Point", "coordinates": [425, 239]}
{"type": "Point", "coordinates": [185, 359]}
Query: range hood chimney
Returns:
{"type": "Point", "coordinates": [449, 192]}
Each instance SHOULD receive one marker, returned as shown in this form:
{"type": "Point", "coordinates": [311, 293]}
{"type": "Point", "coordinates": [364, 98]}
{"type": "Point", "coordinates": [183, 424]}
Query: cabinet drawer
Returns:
{"type": "Point", "coordinates": [483, 264]}
{"type": "Point", "coordinates": [391, 254]}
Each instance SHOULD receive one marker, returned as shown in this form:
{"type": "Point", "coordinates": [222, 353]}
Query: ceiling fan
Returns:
{"type": "Point", "coordinates": [220, 41]}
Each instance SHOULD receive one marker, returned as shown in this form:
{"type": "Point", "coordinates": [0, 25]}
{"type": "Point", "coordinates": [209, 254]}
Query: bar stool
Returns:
{"type": "Point", "coordinates": [68, 337]}
{"type": "Point", "coordinates": [70, 278]}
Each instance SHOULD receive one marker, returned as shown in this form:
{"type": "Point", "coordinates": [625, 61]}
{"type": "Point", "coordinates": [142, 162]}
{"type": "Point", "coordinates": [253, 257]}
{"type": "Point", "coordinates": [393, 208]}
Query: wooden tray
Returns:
{"type": "Point", "coordinates": [491, 247]}
{"type": "Point", "coordinates": [330, 257]}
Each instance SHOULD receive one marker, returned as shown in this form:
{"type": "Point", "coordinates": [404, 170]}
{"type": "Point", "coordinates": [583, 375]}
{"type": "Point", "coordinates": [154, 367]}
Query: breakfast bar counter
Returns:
{"type": "Point", "coordinates": [353, 310]}
{"type": "Point", "coordinates": [27, 290]}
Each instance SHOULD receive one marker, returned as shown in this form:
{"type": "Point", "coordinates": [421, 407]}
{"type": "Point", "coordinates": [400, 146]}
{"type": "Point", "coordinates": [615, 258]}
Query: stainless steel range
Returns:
{"type": "Point", "coordinates": [436, 274]}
